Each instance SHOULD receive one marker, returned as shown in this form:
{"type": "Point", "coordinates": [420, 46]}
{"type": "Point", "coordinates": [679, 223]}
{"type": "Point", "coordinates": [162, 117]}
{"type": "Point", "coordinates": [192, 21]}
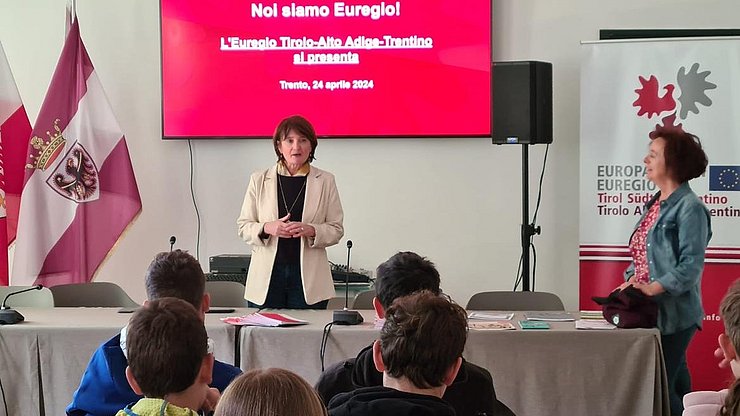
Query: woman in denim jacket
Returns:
{"type": "Point", "coordinates": [668, 246]}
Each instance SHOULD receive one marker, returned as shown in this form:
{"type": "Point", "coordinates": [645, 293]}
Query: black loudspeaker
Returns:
{"type": "Point", "coordinates": [522, 102]}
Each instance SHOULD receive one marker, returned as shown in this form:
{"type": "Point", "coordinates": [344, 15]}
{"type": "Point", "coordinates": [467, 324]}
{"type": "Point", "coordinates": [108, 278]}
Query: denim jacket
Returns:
{"type": "Point", "coordinates": [676, 245]}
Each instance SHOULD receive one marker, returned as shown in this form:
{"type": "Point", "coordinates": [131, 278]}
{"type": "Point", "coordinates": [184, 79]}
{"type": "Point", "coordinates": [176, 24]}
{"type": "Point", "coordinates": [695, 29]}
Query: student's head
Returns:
{"type": "Point", "coordinates": [729, 341]}
{"type": "Point", "coordinates": [401, 275]}
{"type": "Point", "coordinates": [167, 349]}
{"type": "Point", "coordinates": [422, 340]}
{"type": "Point", "coordinates": [177, 274]}
{"type": "Point", "coordinates": [729, 309]}
{"type": "Point", "coordinates": [269, 392]}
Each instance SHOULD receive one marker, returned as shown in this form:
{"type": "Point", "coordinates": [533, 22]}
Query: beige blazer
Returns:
{"type": "Point", "coordinates": [321, 209]}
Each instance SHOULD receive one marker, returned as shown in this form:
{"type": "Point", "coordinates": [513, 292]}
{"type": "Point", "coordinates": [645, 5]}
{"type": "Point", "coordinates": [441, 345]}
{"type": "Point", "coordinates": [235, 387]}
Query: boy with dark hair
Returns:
{"type": "Point", "coordinates": [168, 360]}
{"type": "Point", "coordinates": [177, 274]}
{"type": "Point", "coordinates": [419, 353]}
{"type": "Point", "coordinates": [471, 393]}
{"type": "Point", "coordinates": [403, 274]}
{"type": "Point", "coordinates": [103, 389]}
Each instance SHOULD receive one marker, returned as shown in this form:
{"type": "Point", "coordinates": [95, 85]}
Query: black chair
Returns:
{"type": "Point", "coordinates": [515, 301]}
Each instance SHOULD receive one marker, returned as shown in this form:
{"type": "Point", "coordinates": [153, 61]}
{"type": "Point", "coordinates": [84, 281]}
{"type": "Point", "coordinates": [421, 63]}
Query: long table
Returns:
{"type": "Point", "coordinates": [43, 358]}
{"type": "Point", "coordinates": [561, 371]}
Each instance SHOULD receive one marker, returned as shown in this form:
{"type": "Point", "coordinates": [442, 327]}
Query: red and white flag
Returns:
{"type": "Point", "coordinates": [15, 130]}
{"type": "Point", "coordinates": [80, 191]}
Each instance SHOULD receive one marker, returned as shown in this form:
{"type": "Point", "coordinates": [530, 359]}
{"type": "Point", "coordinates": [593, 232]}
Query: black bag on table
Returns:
{"type": "Point", "coordinates": [629, 308]}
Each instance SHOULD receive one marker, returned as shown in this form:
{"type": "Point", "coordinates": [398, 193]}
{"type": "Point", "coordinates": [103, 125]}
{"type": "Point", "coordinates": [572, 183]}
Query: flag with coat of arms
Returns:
{"type": "Point", "coordinates": [80, 192]}
{"type": "Point", "coordinates": [15, 130]}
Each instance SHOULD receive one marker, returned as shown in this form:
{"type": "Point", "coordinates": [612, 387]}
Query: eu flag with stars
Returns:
{"type": "Point", "coordinates": [724, 178]}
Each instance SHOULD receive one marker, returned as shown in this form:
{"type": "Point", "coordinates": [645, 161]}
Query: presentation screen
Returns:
{"type": "Point", "coordinates": [407, 68]}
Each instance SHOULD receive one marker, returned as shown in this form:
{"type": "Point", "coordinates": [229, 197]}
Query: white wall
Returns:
{"type": "Point", "coordinates": [457, 201]}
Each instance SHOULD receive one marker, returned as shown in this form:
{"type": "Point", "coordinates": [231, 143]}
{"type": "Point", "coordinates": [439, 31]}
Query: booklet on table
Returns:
{"type": "Point", "coordinates": [264, 319]}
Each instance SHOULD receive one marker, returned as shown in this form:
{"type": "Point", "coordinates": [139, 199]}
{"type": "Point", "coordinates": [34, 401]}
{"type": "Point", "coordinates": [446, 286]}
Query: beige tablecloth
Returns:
{"type": "Point", "coordinates": [43, 358]}
{"type": "Point", "coordinates": [561, 371]}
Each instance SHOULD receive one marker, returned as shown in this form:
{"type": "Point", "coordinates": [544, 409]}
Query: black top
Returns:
{"type": "Point", "coordinates": [294, 190]}
{"type": "Point", "coordinates": [471, 394]}
{"type": "Point", "coordinates": [379, 401]}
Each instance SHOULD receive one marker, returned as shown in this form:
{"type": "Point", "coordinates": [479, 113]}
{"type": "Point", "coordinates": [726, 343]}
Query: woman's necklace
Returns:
{"type": "Point", "coordinates": [285, 201]}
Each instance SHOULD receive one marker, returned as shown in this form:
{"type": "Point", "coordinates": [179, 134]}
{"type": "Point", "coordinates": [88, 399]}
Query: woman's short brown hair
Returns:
{"type": "Point", "coordinates": [270, 392]}
{"type": "Point", "coordinates": [300, 125]}
{"type": "Point", "coordinates": [684, 157]}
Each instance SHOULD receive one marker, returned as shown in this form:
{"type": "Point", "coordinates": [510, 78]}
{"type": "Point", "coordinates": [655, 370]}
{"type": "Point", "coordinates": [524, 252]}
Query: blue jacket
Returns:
{"type": "Point", "coordinates": [676, 245]}
{"type": "Point", "coordinates": [104, 389]}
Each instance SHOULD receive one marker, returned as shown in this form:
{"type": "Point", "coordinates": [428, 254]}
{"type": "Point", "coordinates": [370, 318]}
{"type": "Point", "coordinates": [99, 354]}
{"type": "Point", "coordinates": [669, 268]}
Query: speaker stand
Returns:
{"type": "Point", "coordinates": [528, 230]}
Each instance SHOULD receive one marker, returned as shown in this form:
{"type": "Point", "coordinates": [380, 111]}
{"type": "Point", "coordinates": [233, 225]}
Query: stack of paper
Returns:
{"type": "Point", "coordinates": [491, 316]}
{"type": "Point", "coordinates": [549, 316]}
{"type": "Point", "coordinates": [264, 319]}
{"type": "Point", "coordinates": [593, 324]}
{"type": "Point", "coordinates": [592, 315]}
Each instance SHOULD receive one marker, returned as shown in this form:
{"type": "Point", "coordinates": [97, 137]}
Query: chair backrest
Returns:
{"type": "Point", "coordinates": [515, 301]}
{"type": "Point", "coordinates": [335, 303]}
{"type": "Point", "coordinates": [93, 295]}
{"type": "Point", "coordinates": [32, 299]}
{"type": "Point", "coordinates": [226, 293]}
{"type": "Point", "coordinates": [364, 300]}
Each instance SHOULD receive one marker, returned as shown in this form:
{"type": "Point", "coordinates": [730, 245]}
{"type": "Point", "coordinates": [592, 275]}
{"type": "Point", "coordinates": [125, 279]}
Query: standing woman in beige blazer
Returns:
{"type": "Point", "coordinates": [291, 213]}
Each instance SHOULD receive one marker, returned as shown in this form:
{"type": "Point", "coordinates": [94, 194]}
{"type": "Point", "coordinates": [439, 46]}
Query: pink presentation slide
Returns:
{"type": "Point", "coordinates": [407, 68]}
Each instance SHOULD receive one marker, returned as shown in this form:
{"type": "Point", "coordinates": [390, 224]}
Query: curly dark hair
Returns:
{"type": "Point", "coordinates": [423, 335]}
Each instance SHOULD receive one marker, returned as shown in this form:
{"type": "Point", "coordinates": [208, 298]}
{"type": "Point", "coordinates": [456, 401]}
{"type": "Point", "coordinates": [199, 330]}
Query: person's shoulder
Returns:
{"type": "Point", "coordinates": [337, 371]}
{"type": "Point", "coordinates": [687, 196]}
{"type": "Point", "coordinates": [689, 203]}
{"type": "Point", "coordinates": [223, 374]}
{"type": "Point", "coordinates": [321, 173]}
{"type": "Point", "coordinates": [103, 388]}
{"type": "Point", "coordinates": [477, 373]}
{"type": "Point", "coordinates": [339, 400]}
{"type": "Point", "coordinates": [261, 173]}
{"type": "Point", "coordinates": [225, 367]}
{"type": "Point", "coordinates": [696, 398]}
{"type": "Point", "coordinates": [474, 377]}
{"type": "Point", "coordinates": [364, 394]}
{"type": "Point", "coordinates": [336, 379]}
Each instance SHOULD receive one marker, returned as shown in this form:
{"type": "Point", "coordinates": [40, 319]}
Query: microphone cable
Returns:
{"type": "Point", "coordinates": [534, 264]}
{"type": "Point", "coordinates": [519, 273]}
{"type": "Point", "coordinates": [324, 341]}
{"type": "Point", "coordinates": [195, 204]}
{"type": "Point", "coordinates": [534, 218]}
